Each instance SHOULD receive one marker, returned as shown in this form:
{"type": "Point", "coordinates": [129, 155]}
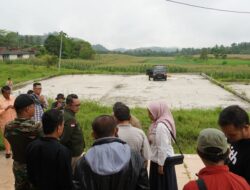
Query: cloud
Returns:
{"type": "Point", "coordinates": [130, 23]}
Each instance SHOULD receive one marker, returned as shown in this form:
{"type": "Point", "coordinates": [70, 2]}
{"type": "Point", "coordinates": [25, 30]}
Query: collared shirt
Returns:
{"type": "Point", "coordinates": [38, 113]}
{"type": "Point", "coordinates": [219, 178]}
{"type": "Point", "coordinates": [6, 115]}
{"type": "Point", "coordinates": [161, 146]}
{"type": "Point", "coordinates": [136, 139]}
{"type": "Point", "coordinates": [38, 109]}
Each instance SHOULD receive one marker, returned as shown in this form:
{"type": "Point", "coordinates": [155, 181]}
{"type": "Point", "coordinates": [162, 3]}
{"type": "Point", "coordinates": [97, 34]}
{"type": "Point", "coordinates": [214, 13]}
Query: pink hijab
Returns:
{"type": "Point", "coordinates": [161, 114]}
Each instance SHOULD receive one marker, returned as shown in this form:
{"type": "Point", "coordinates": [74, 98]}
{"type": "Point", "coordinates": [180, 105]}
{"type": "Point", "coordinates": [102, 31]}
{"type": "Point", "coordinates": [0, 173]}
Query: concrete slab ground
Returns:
{"type": "Point", "coordinates": [6, 174]}
{"type": "Point", "coordinates": [243, 89]}
{"type": "Point", "coordinates": [179, 91]}
{"type": "Point", "coordinates": [185, 172]}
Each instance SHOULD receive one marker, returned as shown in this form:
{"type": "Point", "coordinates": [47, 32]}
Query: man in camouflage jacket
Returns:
{"type": "Point", "coordinates": [20, 133]}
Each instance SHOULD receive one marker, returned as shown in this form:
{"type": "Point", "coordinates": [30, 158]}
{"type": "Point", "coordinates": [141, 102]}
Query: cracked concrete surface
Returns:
{"type": "Point", "coordinates": [179, 91]}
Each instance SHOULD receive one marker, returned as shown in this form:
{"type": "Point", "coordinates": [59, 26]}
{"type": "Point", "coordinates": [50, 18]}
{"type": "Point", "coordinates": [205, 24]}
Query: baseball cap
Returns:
{"type": "Point", "coordinates": [22, 101]}
{"type": "Point", "coordinates": [209, 138]}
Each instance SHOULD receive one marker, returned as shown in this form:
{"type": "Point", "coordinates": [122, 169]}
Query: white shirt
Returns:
{"type": "Point", "coordinates": [161, 146]}
{"type": "Point", "coordinates": [136, 139]}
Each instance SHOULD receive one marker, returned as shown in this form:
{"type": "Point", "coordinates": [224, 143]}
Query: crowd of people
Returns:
{"type": "Point", "coordinates": [47, 146]}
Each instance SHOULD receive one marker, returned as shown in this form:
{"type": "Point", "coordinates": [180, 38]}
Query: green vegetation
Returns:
{"type": "Point", "coordinates": [13, 40]}
{"type": "Point", "coordinates": [188, 122]}
{"type": "Point", "coordinates": [71, 48]}
{"type": "Point", "coordinates": [227, 70]}
{"type": "Point", "coordinates": [21, 72]}
{"type": "Point", "coordinates": [217, 51]}
{"type": "Point", "coordinates": [47, 44]}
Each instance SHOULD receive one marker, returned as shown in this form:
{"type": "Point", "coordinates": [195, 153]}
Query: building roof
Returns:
{"type": "Point", "coordinates": [5, 51]}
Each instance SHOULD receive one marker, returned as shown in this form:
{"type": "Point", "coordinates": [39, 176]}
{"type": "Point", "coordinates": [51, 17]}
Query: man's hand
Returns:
{"type": "Point", "coordinates": [59, 105]}
{"type": "Point", "coordinates": [9, 107]}
{"type": "Point", "coordinates": [160, 170]}
{"type": "Point", "coordinates": [41, 98]}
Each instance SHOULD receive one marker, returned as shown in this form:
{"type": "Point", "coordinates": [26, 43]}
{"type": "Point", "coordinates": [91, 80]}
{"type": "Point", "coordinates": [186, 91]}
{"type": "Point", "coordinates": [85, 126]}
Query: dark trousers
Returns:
{"type": "Point", "coordinates": [162, 182]}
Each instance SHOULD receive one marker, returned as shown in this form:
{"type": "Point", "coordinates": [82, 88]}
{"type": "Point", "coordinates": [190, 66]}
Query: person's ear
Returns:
{"type": "Point", "coordinates": [60, 129]}
{"type": "Point", "coordinates": [27, 109]}
{"type": "Point", "coordinates": [116, 131]}
{"type": "Point", "coordinates": [246, 131]}
{"type": "Point", "coordinates": [94, 135]}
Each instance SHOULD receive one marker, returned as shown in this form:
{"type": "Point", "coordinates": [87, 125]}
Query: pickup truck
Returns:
{"type": "Point", "coordinates": [157, 72]}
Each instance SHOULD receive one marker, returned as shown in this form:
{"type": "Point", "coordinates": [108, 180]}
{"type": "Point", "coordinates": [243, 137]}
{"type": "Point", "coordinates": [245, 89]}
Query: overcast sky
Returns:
{"type": "Point", "coordinates": [131, 23]}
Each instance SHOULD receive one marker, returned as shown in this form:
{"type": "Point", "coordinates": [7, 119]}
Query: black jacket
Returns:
{"type": "Point", "coordinates": [49, 165]}
{"type": "Point", "coordinates": [111, 165]}
{"type": "Point", "coordinates": [72, 136]}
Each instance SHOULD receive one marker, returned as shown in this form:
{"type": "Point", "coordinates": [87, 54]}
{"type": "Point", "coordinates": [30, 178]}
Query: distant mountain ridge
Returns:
{"type": "Point", "coordinates": [101, 48]}
{"type": "Point", "coordinates": [155, 49]}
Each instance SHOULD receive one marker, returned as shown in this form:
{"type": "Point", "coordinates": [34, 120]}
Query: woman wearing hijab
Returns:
{"type": "Point", "coordinates": [161, 176]}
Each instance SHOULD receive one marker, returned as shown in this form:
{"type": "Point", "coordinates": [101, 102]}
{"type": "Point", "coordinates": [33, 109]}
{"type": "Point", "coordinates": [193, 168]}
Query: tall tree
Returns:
{"type": "Point", "coordinates": [204, 54]}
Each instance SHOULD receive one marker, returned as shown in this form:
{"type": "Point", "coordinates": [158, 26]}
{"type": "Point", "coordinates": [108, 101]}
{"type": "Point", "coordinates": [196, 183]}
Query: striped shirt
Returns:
{"type": "Point", "coordinates": [38, 109]}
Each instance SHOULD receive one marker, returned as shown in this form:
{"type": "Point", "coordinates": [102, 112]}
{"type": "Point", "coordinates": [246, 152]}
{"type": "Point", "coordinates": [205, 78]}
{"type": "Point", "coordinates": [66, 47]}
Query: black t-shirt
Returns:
{"type": "Point", "coordinates": [49, 164]}
{"type": "Point", "coordinates": [239, 158]}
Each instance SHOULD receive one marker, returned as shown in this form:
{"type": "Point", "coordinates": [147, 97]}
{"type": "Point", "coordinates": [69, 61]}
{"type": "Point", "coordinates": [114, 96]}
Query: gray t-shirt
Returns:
{"type": "Point", "coordinates": [136, 139]}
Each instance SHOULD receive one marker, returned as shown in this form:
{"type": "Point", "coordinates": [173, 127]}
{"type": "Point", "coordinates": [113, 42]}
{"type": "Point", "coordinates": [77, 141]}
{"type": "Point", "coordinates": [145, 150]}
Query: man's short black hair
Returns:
{"type": "Point", "coordinates": [36, 84]}
{"type": "Point", "coordinates": [30, 92]}
{"type": "Point", "coordinates": [104, 125]}
{"type": "Point", "coordinates": [117, 105]}
{"type": "Point", "coordinates": [22, 101]}
{"type": "Point", "coordinates": [233, 115]}
{"type": "Point", "coordinates": [5, 88]}
{"type": "Point", "coordinates": [122, 112]}
{"type": "Point", "coordinates": [51, 119]}
{"type": "Point", "coordinates": [213, 156]}
{"type": "Point", "coordinates": [70, 97]}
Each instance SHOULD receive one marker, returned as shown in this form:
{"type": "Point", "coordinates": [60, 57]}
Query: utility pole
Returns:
{"type": "Point", "coordinates": [60, 53]}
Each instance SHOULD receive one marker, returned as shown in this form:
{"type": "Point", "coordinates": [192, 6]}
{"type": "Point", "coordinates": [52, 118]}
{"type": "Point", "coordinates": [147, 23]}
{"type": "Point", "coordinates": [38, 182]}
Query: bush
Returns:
{"type": "Point", "coordinates": [50, 60]}
{"type": "Point", "coordinates": [224, 62]}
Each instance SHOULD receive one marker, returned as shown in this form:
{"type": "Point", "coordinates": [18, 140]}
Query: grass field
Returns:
{"type": "Point", "coordinates": [188, 122]}
{"type": "Point", "coordinates": [231, 69]}
{"type": "Point", "coordinates": [23, 72]}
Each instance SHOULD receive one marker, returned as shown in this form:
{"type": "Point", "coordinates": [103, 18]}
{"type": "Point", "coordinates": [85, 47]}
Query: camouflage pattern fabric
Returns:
{"type": "Point", "coordinates": [19, 133]}
{"type": "Point", "coordinates": [21, 179]}
{"type": "Point", "coordinates": [27, 127]}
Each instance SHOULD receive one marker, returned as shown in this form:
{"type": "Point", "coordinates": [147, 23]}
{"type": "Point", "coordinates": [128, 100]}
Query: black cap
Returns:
{"type": "Point", "coordinates": [60, 96]}
{"type": "Point", "coordinates": [22, 101]}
